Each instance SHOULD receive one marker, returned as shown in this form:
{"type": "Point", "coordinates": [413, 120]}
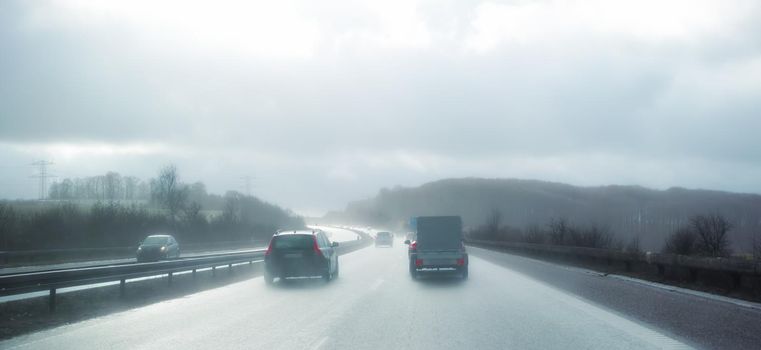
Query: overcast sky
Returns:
{"type": "Point", "coordinates": [325, 102]}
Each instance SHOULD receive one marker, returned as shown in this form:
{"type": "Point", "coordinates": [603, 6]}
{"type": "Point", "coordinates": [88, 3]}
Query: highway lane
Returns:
{"type": "Point", "coordinates": [374, 304]}
{"type": "Point", "coordinates": [341, 235]}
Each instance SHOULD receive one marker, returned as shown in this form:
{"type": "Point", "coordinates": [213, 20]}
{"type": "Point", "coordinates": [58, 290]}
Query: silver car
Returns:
{"type": "Point", "coordinates": [384, 239]}
{"type": "Point", "coordinates": [157, 247]}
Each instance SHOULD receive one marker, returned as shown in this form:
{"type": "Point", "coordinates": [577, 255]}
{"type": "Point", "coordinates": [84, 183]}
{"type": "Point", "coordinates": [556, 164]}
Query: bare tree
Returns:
{"type": "Point", "coordinates": [66, 189]}
{"type": "Point", "coordinates": [143, 190]}
{"type": "Point", "coordinates": [494, 222]}
{"type": "Point", "coordinates": [560, 230]}
{"type": "Point", "coordinates": [197, 192]}
{"type": "Point", "coordinates": [633, 246]}
{"type": "Point", "coordinates": [80, 188]}
{"type": "Point", "coordinates": [192, 212]}
{"type": "Point", "coordinates": [711, 231]}
{"type": "Point", "coordinates": [112, 186]}
{"type": "Point", "coordinates": [592, 236]}
{"type": "Point", "coordinates": [756, 246]}
{"type": "Point", "coordinates": [95, 187]}
{"type": "Point", "coordinates": [232, 210]}
{"type": "Point", "coordinates": [7, 223]}
{"type": "Point", "coordinates": [54, 191]}
{"type": "Point", "coordinates": [168, 192]}
{"type": "Point", "coordinates": [130, 187]}
{"type": "Point", "coordinates": [681, 242]}
{"type": "Point", "coordinates": [534, 234]}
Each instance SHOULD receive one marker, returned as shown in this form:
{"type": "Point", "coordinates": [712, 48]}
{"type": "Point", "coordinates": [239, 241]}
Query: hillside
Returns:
{"type": "Point", "coordinates": [628, 211]}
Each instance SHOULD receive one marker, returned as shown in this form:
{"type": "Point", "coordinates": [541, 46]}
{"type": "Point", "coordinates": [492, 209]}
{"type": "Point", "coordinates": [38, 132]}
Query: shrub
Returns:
{"type": "Point", "coordinates": [712, 233]}
{"type": "Point", "coordinates": [535, 234]}
{"type": "Point", "coordinates": [592, 236]}
{"type": "Point", "coordinates": [682, 242]}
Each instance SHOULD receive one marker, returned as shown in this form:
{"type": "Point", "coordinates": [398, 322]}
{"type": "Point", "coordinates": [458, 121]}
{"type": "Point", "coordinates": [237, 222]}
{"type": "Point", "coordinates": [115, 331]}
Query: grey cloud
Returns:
{"type": "Point", "coordinates": [565, 99]}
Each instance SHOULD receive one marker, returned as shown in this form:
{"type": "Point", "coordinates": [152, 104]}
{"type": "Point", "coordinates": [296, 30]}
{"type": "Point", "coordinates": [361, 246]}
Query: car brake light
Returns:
{"type": "Point", "coordinates": [418, 262]}
{"type": "Point", "coordinates": [460, 262]}
{"type": "Point", "coordinates": [269, 248]}
{"type": "Point", "coordinates": [413, 246]}
{"type": "Point", "coordinates": [316, 247]}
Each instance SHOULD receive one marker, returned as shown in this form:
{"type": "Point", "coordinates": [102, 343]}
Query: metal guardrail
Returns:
{"type": "Point", "coordinates": [729, 265]}
{"type": "Point", "coordinates": [51, 280]}
{"type": "Point", "coordinates": [43, 255]}
{"type": "Point", "coordinates": [54, 279]}
{"type": "Point", "coordinates": [736, 268]}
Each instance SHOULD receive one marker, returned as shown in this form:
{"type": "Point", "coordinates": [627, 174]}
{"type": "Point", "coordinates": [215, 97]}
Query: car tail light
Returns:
{"type": "Point", "coordinates": [316, 247]}
{"type": "Point", "coordinates": [413, 246]}
{"type": "Point", "coordinates": [460, 262]}
{"type": "Point", "coordinates": [418, 262]}
{"type": "Point", "coordinates": [269, 248]}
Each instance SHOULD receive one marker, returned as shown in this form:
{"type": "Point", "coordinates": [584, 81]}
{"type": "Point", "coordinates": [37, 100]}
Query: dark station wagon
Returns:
{"type": "Point", "coordinates": [300, 253]}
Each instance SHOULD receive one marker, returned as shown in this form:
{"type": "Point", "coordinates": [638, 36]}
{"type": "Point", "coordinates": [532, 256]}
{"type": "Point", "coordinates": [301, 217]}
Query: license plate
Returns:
{"type": "Point", "coordinates": [440, 262]}
{"type": "Point", "coordinates": [293, 255]}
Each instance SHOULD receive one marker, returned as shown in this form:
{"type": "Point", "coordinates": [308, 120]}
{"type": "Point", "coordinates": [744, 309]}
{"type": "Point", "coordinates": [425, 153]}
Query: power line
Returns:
{"type": "Point", "coordinates": [43, 176]}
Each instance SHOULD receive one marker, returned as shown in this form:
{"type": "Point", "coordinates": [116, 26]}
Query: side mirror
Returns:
{"type": "Point", "coordinates": [407, 241]}
{"type": "Point", "coordinates": [334, 244]}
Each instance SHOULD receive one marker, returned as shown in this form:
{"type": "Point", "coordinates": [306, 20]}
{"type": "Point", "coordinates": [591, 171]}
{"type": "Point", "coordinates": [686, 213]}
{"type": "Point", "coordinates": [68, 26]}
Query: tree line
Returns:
{"type": "Point", "coordinates": [171, 207]}
{"type": "Point", "coordinates": [705, 235]}
{"type": "Point", "coordinates": [108, 187]}
{"type": "Point", "coordinates": [632, 212]}
{"type": "Point", "coordinates": [559, 231]}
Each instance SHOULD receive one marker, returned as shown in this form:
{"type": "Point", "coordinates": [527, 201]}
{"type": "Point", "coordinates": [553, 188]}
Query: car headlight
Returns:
{"type": "Point", "coordinates": [139, 249]}
{"type": "Point", "coordinates": [163, 249]}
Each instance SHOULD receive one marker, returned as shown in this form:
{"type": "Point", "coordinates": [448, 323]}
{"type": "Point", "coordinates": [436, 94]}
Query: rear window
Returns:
{"type": "Point", "coordinates": [439, 232]}
{"type": "Point", "coordinates": [384, 234]}
{"type": "Point", "coordinates": [293, 242]}
{"type": "Point", "coordinates": [156, 240]}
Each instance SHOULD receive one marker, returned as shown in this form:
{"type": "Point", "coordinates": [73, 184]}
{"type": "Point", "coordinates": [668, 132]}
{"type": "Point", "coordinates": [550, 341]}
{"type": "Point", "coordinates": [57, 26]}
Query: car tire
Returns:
{"type": "Point", "coordinates": [413, 272]}
{"type": "Point", "coordinates": [335, 274]}
{"type": "Point", "coordinates": [464, 272]}
{"type": "Point", "coordinates": [327, 275]}
{"type": "Point", "coordinates": [268, 278]}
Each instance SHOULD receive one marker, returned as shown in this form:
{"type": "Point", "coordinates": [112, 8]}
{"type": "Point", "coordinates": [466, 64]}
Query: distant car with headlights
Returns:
{"type": "Point", "coordinates": [300, 253]}
{"type": "Point", "coordinates": [158, 247]}
{"type": "Point", "coordinates": [385, 239]}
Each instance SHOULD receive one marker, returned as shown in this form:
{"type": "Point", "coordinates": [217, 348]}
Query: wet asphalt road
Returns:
{"type": "Point", "coordinates": [708, 323]}
{"type": "Point", "coordinates": [373, 305]}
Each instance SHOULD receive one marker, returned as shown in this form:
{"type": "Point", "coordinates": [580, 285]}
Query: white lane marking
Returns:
{"type": "Point", "coordinates": [320, 343]}
{"type": "Point", "coordinates": [376, 284]}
